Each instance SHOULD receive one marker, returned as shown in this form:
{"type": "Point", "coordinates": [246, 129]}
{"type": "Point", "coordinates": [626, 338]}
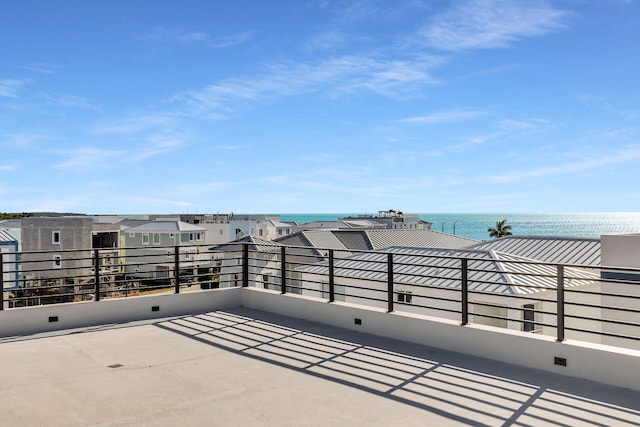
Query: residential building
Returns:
{"type": "Point", "coordinates": [428, 281]}
{"type": "Point", "coordinates": [69, 239]}
{"type": "Point", "coordinates": [395, 219]}
{"type": "Point", "coordinates": [264, 267]}
{"type": "Point", "coordinates": [150, 249]}
{"type": "Point", "coordinates": [620, 252]}
{"type": "Point", "coordinates": [9, 257]}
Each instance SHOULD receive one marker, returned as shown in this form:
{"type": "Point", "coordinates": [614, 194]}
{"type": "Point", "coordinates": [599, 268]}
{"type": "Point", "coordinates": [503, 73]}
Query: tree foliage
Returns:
{"type": "Point", "coordinates": [501, 229]}
{"type": "Point", "coordinates": [4, 215]}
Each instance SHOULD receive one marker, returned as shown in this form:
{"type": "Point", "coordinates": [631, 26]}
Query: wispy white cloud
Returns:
{"type": "Point", "coordinates": [331, 39]}
{"type": "Point", "coordinates": [6, 168]}
{"type": "Point", "coordinates": [231, 40]}
{"type": "Point", "coordinates": [10, 88]}
{"type": "Point", "coordinates": [230, 147]}
{"type": "Point", "coordinates": [39, 67]}
{"type": "Point", "coordinates": [72, 101]}
{"type": "Point", "coordinates": [175, 35]}
{"type": "Point", "coordinates": [155, 145]}
{"type": "Point", "coordinates": [474, 24]}
{"type": "Point", "coordinates": [624, 155]}
{"type": "Point", "coordinates": [24, 140]}
{"type": "Point", "coordinates": [81, 159]}
{"type": "Point", "coordinates": [447, 116]}
{"type": "Point", "coordinates": [336, 76]}
{"type": "Point", "coordinates": [136, 124]}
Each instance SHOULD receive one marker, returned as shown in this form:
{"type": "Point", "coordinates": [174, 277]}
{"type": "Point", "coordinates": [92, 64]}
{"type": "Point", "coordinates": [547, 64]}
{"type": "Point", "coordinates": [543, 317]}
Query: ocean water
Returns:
{"type": "Point", "coordinates": [474, 226]}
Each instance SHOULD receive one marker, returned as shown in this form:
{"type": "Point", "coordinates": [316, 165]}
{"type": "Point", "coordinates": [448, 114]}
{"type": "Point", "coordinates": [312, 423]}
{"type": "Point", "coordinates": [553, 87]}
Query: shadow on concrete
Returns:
{"type": "Point", "coordinates": [462, 388]}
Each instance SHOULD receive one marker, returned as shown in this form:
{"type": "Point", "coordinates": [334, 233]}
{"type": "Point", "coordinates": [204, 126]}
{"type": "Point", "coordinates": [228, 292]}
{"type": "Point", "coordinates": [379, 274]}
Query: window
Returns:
{"type": "Point", "coordinates": [279, 231]}
{"type": "Point", "coordinates": [265, 281]}
{"type": "Point", "coordinates": [221, 232]}
{"type": "Point", "coordinates": [529, 316]}
{"type": "Point", "coordinates": [57, 261]}
{"type": "Point", "coordinates": [145, 238]}
{"type": "Point", "coordinates": [260, 232]}
{"type": "Point", "coordinates": [55, 237]}
{"type": "Point", "coordinates": [132, 235]}
{"type": "Point", "coordinates": [404, 297]}
{"type": "Point", "coordinates": [156, 238]}
{"type": "Point", "coordinates": [198, 237]}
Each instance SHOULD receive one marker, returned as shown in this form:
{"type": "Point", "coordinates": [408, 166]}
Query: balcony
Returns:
{"type": "Point", "coordinates": [191, 348]}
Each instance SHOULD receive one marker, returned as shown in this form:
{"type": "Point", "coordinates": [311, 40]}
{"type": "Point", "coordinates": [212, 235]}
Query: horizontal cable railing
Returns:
{"type": "Point", "coordinates": [599, 304]}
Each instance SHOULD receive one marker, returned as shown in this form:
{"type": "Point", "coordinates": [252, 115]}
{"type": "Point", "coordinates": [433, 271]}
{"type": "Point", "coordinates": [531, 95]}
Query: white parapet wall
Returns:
{"type": "Point", "coordinates": [596, 362]}
{"type": "Point", "coordinates": [29, 320]}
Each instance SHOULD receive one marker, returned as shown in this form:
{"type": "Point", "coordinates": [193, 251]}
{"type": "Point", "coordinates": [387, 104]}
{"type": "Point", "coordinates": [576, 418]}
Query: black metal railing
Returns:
{"type": "Point", "coordinates": [588, 303]}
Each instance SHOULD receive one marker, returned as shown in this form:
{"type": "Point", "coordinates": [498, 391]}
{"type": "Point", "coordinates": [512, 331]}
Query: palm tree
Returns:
{"type": "Point", "coordinates": [502, 229]}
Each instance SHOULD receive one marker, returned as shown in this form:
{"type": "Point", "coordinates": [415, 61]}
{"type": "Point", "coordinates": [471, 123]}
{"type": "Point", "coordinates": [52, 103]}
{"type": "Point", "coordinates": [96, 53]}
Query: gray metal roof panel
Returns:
{"type": "Point", "coordinates": [556, 250]}
{"type": "Point", "coordinates": [488, 271]}
{"type": "Point", "coordinates": [165, 226]}
{"type": "Point", "coordinates": [423, 238]}
{"type": "Point", "coordinates": [257, 244]}
{"type": "Point", "coordinates": [5, 236]}
{"type": "Point", "coordinates": [354, 239]}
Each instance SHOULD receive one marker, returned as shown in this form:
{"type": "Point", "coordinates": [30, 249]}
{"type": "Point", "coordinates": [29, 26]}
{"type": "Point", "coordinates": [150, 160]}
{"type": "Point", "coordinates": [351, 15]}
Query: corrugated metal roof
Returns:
{"type": "Point", "coordinates": [374, 239]}
{"type": "Point", "coordinates": [260, 245]}
{"type": "Point", "coordinates": [555, 250]}
{"type": "Point", "coordinates": [488, 271]}
{"type": "Point", "coordinates": [11, 223]}
{"type": "Point", "coordinates": [354, 239]}
{"type": "Point", "coordinates": [5, 236]}
{"type": "Point", "coordinates": [325, 240]}
{"type": "Point", "coordinates": [416, 238]}
{"type": "Point", "coordinates": [165, 226]}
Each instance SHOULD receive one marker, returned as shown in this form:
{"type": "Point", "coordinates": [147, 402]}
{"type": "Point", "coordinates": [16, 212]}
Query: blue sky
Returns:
{"type": "Point", "coordinates": [319, 106]}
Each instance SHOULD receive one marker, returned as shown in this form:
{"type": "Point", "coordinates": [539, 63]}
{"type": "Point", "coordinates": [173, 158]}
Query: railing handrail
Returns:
{"type": "Point", "coordinates": [282, 267]}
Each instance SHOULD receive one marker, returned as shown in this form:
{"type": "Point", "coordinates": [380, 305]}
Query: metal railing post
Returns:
{"type": "Point", "coordinates": [1, 281]}
{"type": "Point", "coordinates": [283, 269]}
{"type": "Point", "coordinates": [245, 266]}
{"type": "Point", "coordinates": [332, 291]}
{"type": "Point", "coordinates": [389, 283]}
{"type": "Point", "coordinates": [465, 291]}
{"type": "Point", "coordinates": [96, 273]}
{"type": "Point", "coordinates": [176, 268]}
{"type": "Point", "coordinates": [560, 303]}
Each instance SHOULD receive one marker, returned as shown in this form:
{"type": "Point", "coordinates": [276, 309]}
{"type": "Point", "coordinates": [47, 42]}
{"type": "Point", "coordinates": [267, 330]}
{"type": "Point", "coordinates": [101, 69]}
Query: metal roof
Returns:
{"type": "Point", "coordinates": [555, 250]}
{"type": "Point", "coordinates": [422, 238]}
{"type": "Point", "coordinates": [488, 271]}
{"type": "Point", "coordinates": [322, 239]}
{"type": "Point", "coordinates": [354, 239]}
{"type": "Point", "coordinates": [260, 245]}
{"type": "Point", "coordinates": [5, 236]}
{"type": "Point", "coordinates": [165, 226]}
{"type": "Point", "coordinates": [11, 223]}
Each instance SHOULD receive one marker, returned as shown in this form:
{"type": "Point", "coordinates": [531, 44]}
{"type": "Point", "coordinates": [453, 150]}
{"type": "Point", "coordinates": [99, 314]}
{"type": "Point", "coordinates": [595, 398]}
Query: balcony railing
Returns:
{"type": "Point", "coordinates": [563, 301]}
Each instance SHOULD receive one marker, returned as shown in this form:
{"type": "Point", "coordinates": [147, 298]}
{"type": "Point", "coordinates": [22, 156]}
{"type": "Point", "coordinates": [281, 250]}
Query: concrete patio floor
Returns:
{"type": "Point", "coordinates": [245, 367]}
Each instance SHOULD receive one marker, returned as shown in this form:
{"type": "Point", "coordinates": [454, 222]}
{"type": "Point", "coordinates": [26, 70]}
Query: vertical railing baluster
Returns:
{"type": "Point", "coordinates": [96, 273]}
{"type": "Point", "coordinates": [245, 265]}
{"type": "Point", "coordinates": [176, 268]}
{"type": "Point", "coordinates": [283, 269]}
{"type": "Point", "coordinates": [1, 281]}
{"type": "Point", "coordinates": [465, 290]}
{"type": "Point", "coordinates": [389, 282]}
{"type": "Point", "coordinates": [332, 291]}
{"type": "Point", "coordinates": [560, 303]}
